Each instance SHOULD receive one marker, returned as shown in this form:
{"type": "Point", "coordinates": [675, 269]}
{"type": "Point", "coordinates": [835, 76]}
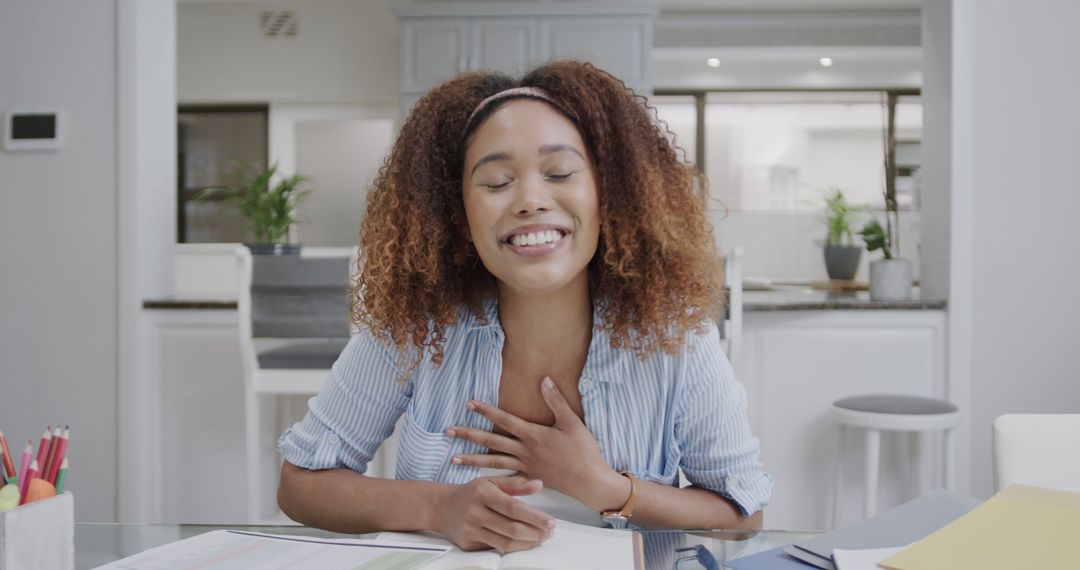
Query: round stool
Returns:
{"type": "Point", "coordinates": [891, 412]}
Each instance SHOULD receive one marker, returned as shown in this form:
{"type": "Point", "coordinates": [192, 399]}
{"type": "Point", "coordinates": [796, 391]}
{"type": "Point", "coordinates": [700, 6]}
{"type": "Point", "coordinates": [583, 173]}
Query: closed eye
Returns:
{"type": "Point", "coordinates": [496, 186]}
{"type": "Point", "coordinates": [560, 177]}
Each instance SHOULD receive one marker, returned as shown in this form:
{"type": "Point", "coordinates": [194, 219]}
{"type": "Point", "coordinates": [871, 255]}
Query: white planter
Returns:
{"type": "Point", "coordinates": [890, 279]}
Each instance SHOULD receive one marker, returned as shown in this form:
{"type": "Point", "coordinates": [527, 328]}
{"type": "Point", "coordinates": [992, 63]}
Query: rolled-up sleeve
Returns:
{"type": "Point", "coordinates": [355, 411]}
{"type": "Point", "coordinates": [713, 432]}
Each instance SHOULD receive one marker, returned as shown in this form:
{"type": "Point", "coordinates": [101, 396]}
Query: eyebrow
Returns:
{"type": "Point", "coordinates": [544, 150]}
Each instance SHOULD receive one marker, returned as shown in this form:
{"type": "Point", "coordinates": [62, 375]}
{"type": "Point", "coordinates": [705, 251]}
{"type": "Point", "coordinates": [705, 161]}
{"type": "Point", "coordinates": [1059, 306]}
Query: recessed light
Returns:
{"type": "Point", "coordinates": [825, 62]}
{"type": "Point", "coordinates": [713, 62]}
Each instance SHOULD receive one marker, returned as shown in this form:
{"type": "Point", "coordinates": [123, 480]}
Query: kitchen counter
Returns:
{"type": "Point", "coordinates": [794, 298]}
{"type": "Point", "coordinates": [797, 298]}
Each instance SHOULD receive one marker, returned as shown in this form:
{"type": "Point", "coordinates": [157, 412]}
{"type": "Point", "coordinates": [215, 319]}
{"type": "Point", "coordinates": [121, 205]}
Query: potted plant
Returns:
{"type": "Point", "coordinates": [841, 253]}
{"type": "Point", "coordinates": [890, 277]}
{"type": "Point", "coordinates": [269, 207]}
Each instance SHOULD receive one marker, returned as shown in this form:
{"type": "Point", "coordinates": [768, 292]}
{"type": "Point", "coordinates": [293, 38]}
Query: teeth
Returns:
{"type": "Point", "coordinates": [536, 238]}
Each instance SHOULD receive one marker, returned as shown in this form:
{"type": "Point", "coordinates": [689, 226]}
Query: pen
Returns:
{"type": "Point", "coordinates": [9, 467]}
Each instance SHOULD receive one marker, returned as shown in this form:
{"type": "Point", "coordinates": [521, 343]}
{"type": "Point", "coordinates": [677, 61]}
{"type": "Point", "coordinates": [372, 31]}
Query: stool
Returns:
{"type": "Point", "coordinates": [891, 412]}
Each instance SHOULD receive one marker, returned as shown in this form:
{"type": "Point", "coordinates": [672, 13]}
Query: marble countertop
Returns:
{"type": "Point", "coordinates": [797, 298]}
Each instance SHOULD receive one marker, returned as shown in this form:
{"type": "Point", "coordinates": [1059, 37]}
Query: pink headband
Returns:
{"type": "Point", "coordinates": [531, 92]}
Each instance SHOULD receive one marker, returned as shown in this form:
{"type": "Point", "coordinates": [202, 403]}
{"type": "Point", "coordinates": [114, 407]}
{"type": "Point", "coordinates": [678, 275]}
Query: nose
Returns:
{"type": "Point", "coordinates": [532, 197]}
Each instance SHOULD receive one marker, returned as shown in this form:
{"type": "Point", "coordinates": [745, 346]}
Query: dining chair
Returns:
{"type": "Point", "coordinates": [1042, 450]}
{"type": "Point", "coordinates": [293, 323]}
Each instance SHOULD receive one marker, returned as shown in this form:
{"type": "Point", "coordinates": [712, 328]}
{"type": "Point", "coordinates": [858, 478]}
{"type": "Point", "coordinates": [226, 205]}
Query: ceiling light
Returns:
{"type": "Point", "coordinates": [713, 62]}
{"type": "Point", "coordinates": [825, 62]}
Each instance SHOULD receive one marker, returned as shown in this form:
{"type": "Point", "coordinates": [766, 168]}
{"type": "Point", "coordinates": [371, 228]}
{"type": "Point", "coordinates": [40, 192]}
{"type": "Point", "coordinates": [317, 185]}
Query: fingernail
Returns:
{"type": "Point", "coordinates": [451, 433]}
{"type": "Point", "coordinates": [551, 524]}
{"type": "Point", "coordinates": [455, 460]}
{"type": "Point", "coordinates": [548, 384]}
{"type": "Point", "coordinates": [470, 405]}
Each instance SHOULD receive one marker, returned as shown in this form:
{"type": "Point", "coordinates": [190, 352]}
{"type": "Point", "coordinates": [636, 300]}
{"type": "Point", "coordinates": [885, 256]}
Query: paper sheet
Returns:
{"type": "Point", "coordinates": [228, 549]}
{"type": "Point", "coordinates": [866, 559]}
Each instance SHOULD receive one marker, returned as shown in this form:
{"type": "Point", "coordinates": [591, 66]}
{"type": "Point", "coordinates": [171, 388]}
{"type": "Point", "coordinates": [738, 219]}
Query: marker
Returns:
{"type": "Point", "coordinates": [61, 477]}
{"type": "Point", "coordinates": [9, 466]}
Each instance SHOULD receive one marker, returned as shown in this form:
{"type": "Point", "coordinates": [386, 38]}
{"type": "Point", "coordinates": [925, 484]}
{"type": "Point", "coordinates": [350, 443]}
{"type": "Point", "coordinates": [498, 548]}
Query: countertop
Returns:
{"type": "Point", "coordinates": [777, 298]}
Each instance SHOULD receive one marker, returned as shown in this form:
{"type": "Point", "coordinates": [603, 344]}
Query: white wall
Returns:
{"type": "Point", "coordinates": [1014, 146]}
{"type": "Point", "coordinates": [936, 142]}
{"type": "Point", "coordinates": [58, 242]}
{"type": "Point", "coordinates": [343, 52]}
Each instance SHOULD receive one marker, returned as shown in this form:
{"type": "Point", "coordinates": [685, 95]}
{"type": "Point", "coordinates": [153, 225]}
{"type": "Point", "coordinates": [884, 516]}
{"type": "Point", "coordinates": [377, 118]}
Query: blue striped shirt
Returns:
{"type": "Point", "coordinates": [651, 417]}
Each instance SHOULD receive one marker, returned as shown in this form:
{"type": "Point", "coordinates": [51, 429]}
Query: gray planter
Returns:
{"type": "Point", "coordinates": [274, 248]}
{"type": "Point", "coordinates": [842, 261]}
{"type": "Point", "coordinates": [890, 279]}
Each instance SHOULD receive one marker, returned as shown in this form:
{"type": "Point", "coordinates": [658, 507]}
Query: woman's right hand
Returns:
{"type": "Point", "coordinates": [483, 513]}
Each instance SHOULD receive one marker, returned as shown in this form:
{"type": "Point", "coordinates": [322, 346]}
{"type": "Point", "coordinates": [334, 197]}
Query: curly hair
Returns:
{"type": "Point", "coordinates": [656, 267]}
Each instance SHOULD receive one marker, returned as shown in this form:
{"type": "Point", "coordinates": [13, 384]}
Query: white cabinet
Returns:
{"type": "Point", "coordinates": [440, 41]}
{"type": "Point", "coordinates": [436, 49]}
{"type": "Point", "coordinates": [796, 363]}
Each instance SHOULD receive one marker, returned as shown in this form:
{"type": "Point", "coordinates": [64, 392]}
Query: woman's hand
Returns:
{"type": "Point", "coordinates": [483, 513]}
{"type": "Point", "coordinates": [564, 456]}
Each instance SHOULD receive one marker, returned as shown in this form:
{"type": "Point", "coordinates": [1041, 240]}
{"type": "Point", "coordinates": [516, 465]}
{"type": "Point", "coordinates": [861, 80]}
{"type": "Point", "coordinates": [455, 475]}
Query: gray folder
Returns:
{"type": "Point", "coordinates": [901, 526]}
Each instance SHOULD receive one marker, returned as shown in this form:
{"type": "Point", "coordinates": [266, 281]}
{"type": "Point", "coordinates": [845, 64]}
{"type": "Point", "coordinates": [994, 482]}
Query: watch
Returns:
{"type": "Point", "coordinates": [621, 517]}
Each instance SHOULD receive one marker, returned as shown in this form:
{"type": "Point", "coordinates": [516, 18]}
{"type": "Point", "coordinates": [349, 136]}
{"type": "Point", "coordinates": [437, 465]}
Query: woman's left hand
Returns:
{"type": "Point", "coordinates": [564, 456]}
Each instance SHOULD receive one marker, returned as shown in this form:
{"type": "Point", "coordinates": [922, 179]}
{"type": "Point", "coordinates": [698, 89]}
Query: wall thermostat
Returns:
{"type": "Point", "coordinates": [34, 129]}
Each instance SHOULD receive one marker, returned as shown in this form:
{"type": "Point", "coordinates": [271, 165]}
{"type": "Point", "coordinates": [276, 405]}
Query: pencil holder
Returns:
{"type": "Point", "coordinates": [39, 535]}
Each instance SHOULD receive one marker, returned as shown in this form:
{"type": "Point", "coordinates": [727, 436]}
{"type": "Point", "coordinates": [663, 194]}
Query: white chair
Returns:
{"type": "Point", "coordinates": [891, 412]}
{"type": "Point", "coordinates": [1037, 449]}
{"type": "Point", "coordinates": [293, 323]}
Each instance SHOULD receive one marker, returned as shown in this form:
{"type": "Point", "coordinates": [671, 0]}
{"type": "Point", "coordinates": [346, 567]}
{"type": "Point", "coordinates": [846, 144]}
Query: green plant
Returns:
{"type": "Point", "coordinates": [876, 237]}
{"type": "Point", "coordinates": [269, 208]}
{"type": "Point", "coordinates": [839, 218]}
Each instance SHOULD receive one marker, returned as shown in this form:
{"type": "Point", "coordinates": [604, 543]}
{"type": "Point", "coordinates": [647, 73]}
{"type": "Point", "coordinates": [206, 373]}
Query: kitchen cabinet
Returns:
{"type": "Point", "coordinates": [441, 41]}
{"type": "Point", "coordinates": [795, 363]}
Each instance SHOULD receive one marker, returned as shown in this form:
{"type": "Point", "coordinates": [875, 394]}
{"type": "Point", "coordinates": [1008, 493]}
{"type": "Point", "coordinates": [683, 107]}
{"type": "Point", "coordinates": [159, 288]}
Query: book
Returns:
{"type": "Point", "coordinates": [1020, 527]}
{"type": "Point", "coordinates": [899, 526]}
{"type": "Point", "coordinates": [572, 546]}
{"type": "Point", "coordinates": [235, 549]}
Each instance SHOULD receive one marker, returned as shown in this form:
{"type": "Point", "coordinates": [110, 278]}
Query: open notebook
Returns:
{"type": "Point", "coordinates": [573, 546]}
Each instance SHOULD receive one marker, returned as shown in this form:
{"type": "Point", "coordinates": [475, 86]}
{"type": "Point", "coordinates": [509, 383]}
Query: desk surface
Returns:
{"type": "Point", "coordinates": [100, 543]}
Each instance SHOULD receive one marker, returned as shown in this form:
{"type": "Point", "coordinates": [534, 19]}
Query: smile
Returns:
{"type": "Point", "coordinates": [535, 240]}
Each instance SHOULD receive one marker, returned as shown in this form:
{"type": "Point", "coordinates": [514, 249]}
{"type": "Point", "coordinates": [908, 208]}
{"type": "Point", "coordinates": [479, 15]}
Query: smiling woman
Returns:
{"type": "Point", "coordinates": [535, 284]}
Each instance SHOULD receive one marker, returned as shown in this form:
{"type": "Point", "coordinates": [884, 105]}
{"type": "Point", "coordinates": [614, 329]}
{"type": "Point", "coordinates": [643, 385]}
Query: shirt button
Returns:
{"type": "Point", "coordinates": [586, 382]}
{"type": "Point", "coordinates": [332, 440]}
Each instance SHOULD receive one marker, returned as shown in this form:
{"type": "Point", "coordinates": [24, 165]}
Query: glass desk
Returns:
{"type": "Point", "coordinates": [100, 543]}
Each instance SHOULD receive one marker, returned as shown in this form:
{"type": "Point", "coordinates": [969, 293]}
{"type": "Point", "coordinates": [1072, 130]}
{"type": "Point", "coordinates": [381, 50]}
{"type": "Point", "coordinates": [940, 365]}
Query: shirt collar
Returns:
{"type": "Point", "coordinates": [603, 363]}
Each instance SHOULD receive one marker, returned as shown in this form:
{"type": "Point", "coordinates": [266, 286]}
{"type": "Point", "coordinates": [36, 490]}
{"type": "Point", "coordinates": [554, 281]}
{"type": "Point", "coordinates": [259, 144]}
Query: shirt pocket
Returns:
{"type": "Point", "coordinates": [422, 455]}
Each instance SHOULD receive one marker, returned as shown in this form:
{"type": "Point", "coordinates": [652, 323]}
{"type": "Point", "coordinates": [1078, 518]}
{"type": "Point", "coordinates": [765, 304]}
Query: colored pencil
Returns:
{"type": "Point", "coordinates": [9, 465]}
{"type": "Point", "coordinates": [54, 442]}
{"type": "Point", "coordinates": [31, 474]}
{"type": "Point", "coordinates": [61, 449]}
{"type": "Point", "coordinates": [43, 447]}
{"type": "Point", "coordinates": [24, 466]}
{"type": "Point", "coordinates": [61, 477]}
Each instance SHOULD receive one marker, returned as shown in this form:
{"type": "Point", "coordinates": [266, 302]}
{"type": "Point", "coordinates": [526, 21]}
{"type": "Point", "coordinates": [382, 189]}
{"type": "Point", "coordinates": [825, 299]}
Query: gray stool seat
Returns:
{"type": "Point", "coordinates": [875, 413]}
{"type": "Point", "coordinates": [303, 354]}
{"type": "Point", "coordinates": [896, 404]}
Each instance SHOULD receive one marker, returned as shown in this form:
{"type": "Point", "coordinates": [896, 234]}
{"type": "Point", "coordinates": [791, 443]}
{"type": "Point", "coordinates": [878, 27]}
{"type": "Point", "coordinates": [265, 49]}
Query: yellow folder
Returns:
{"type": "Point", "coordinates": [1020, 527]}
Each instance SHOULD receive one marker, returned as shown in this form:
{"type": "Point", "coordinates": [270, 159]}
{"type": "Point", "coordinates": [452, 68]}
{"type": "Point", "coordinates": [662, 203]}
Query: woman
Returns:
{"type": "Point", "coordinates": [536, 278]}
